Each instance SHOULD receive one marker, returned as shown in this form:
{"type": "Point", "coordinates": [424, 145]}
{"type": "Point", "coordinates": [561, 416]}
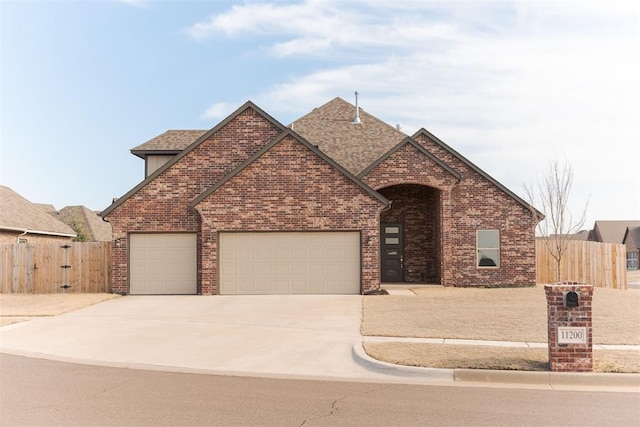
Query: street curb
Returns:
{"type": "Point", "coordinates": [624, 382]}
{"type": "Point", "coordinates": [503, 377]}
{"type": "Point", "coordinates": [595, 379]}
{"type": "Point", "coordinates": [391, 369]}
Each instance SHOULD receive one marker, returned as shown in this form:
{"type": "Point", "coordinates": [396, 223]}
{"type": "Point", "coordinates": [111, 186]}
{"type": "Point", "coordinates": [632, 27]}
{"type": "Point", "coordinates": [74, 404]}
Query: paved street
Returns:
{"type": "Point", "coordinates": [47, 393]}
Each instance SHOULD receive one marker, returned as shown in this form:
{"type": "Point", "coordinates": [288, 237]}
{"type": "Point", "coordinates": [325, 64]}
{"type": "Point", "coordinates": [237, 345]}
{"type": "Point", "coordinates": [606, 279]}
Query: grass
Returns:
{"type": "Point", "coordinates": [501, 314]}
{"type": "Point", "coordinates": [20, 307]}
{"type": "Point", "coordinates": [500, 358]}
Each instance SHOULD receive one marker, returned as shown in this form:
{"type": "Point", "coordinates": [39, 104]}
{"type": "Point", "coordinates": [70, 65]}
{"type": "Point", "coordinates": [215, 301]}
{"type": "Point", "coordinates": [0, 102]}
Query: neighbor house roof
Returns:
{"type": "Point", "coordinates": [354, 146]}
{"type": "Point", "coordinates": [19, 214]}
{"type": "Point", "coordinates": [86, 222]}
{"type": "Point", "coordinates": [581, 235]}
{"type": "Point", "coordinates": [632, 238]}
{"type": "Point", "coordinates": [612, 231]}
{"type": "Point", "coordinates": [169, 142]}
{"type": "Point", "coordinates": [48, 208]}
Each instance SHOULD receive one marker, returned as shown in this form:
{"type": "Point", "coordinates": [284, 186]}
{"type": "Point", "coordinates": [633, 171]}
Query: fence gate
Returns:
{"type": "Point", "coordinates": [55, 267]}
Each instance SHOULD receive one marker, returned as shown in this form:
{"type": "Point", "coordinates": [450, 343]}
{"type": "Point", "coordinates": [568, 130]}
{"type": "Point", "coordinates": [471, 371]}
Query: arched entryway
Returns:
{"type": "Point", "coordinates": [410, 235]}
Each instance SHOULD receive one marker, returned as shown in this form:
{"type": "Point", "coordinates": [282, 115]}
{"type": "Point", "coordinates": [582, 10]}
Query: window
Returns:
{"type": "Point", "coordinates": [632, 261]}
{"type": "Point", "coordinates": [488, 248]}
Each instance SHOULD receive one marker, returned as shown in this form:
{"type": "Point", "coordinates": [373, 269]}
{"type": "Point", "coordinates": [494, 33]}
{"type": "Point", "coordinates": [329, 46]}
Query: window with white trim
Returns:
{"type": "Point", "coordinates": [488, 249]}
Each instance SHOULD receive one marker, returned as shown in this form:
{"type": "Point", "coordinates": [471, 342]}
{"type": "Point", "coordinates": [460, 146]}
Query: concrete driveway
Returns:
{"type": "Point", "coordinates": [307, 336]}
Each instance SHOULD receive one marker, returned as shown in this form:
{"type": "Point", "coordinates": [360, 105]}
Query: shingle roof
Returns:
{"type": "Point", "coordinates": [330, 127]}
{"type": "Point", "coordinates": [612, 231]}
{"type": "Point", "coordinates": [86, 222]}
{"type": "Point", "coordinates": [172, 141]}
{"type": "Point", "coordinates": [306, 144]}
{"type": "Point", "coordinates": [48, 208]}
{"type": "Point", "coordinates": [353, 146]}
{"type": "Point", "coordinates": [247, 105]}
{"type": "Point", "coordinates": [632, 238]}
{"type": "Point", "coordinates": [19, 214]}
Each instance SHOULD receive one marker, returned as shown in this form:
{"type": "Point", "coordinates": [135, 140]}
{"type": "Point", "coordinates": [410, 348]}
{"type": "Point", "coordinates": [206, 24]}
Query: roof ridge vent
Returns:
{"type": "Point", "coordinates": [356, 119]}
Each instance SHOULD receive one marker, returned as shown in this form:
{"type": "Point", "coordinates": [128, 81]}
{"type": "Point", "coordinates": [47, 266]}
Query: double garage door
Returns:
{"type": "Point", "coordinates": [250, 263]}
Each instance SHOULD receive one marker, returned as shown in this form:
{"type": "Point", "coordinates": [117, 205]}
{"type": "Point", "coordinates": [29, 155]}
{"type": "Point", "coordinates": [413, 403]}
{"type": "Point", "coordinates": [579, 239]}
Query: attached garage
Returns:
{"type": "Point", "coordinates": [289, 263]}
{"type": "Point", "coordinates": [163, 264]}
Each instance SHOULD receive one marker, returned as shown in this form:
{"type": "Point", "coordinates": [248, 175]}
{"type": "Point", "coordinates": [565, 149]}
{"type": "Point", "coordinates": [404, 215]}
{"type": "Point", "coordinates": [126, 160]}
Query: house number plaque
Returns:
{"type": "Point", "coordinates": [569, 335]}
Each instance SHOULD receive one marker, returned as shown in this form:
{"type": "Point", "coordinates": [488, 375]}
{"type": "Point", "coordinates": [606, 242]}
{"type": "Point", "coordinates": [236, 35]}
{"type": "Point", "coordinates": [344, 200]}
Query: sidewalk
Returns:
{"type": "Point", "coordinates": [448, 341]}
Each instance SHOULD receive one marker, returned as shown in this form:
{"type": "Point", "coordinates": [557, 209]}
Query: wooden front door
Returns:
{"type": "Point", "coordinates": [391, 252]}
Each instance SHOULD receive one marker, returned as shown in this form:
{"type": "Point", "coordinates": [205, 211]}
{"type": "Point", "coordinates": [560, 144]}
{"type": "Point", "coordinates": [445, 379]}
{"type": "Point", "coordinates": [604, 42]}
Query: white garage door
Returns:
{"type": "Point", "coordinates": [290, 263]}
{"type": "Point", "coordinates": [163, 263]}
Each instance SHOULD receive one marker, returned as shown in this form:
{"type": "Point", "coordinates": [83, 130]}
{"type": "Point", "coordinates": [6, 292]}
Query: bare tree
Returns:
{"type": "Point", "coordinates": [551, 194]}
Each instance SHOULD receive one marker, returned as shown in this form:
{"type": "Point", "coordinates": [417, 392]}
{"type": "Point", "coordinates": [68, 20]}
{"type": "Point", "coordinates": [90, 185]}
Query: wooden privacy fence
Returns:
{"type": "Point", "coordinates": [55, 267]}
{"type": "Point", "coordinates": [602, 265]}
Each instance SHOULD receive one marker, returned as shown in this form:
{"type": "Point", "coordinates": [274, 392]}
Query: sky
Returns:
{"type": "Point", "coordinates": [511, 85]}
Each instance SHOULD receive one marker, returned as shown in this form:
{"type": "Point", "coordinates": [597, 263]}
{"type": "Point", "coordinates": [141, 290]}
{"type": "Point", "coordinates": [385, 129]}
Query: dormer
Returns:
{"type": "Point", "coordinates": [159, 150]}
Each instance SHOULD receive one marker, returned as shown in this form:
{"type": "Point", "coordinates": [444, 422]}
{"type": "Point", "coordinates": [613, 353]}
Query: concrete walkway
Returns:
{"type": "Point", "coordinates": [450, 341]}
{"type": "Point", "coordinates": [274, 336]}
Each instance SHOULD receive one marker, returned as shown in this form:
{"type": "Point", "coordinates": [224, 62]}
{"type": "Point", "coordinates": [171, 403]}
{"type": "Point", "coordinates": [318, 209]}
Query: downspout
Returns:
{"type": "Point", "coordinates": [21, 235]}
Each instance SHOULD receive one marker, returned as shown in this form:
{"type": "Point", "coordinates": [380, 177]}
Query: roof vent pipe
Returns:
{"type": "Point", "coordinates": [356, 119]}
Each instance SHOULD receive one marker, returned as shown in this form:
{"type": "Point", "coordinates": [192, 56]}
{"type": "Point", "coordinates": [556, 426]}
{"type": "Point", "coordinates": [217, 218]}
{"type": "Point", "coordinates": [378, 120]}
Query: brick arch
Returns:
{"type": "Point", "coordinates": [412, 181]}
{"type": "Point", "coordinates": [418, 208]}
{"type": "Point", "coordinates": [408, 165]}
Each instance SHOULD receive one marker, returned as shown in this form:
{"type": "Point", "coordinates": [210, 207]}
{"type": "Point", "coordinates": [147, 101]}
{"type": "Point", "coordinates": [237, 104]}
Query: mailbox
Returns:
{"type": "Point", "coordinates": [571, 299]}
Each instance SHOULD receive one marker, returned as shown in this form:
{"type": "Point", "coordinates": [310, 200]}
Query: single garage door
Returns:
{"type": "Point", "coordinates": [290, 263]}
{"type": "Point", "coordinates": [162, 263]}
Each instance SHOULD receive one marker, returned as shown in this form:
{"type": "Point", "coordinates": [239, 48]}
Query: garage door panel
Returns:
{"type": "Point", "coordinates": [163, 263]}
{"type": "Point", "coordinates": [290, 262]}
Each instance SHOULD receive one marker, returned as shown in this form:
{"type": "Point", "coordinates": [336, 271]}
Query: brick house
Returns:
{"type": "Point", "coordinates": [337, 202]}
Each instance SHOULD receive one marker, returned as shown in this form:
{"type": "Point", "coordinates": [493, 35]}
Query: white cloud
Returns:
{"type": "Point", "coordinates": [136, 3]}
{"type": "Point", "coordinates": [509, 84]}
{"type": "Point", "coordinates": [218, 110]}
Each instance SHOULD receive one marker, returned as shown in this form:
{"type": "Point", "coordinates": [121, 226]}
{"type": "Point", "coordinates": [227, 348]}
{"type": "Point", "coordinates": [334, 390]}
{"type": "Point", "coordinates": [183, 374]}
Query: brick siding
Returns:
{"type": "Point", "coordinates": [477, 204]}
{"type": "Point", "coordinates": [290, 188]}
{"type": "Point", "coordinates": [163, 204]}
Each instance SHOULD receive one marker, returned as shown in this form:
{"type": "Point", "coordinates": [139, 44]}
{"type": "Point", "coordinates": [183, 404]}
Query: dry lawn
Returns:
{"type": "Point", "coordinates": [20, 307]}
{"type": "Point", "coordinates": [501, 358]}
{"type": "Point", "coordinates": [493, 314]}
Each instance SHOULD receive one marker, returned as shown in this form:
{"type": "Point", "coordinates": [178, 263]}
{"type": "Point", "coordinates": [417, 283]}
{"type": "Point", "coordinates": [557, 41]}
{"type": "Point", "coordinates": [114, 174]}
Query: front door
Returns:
{"type": "Point", "coordinates": [391, 259]}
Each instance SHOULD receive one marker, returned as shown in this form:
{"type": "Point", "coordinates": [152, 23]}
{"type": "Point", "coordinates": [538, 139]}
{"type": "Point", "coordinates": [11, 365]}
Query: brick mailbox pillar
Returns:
{"type": "Point", "coordinates": [570, 327]}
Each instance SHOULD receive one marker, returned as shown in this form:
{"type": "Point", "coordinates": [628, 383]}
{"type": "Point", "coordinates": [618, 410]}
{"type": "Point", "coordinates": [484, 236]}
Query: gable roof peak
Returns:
{"type": "Point", "coordinates": [240, 110]}
{"type": "Point", "coordinates": [460, 157]}
{"type": "Point", "coordinates": [410, 141]}
{"type": "Point", "coordinates": [313, 148]}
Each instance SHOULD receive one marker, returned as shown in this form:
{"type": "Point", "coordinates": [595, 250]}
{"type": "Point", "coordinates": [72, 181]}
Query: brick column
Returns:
{"type": "Point", "coordinates": [570, 327]}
